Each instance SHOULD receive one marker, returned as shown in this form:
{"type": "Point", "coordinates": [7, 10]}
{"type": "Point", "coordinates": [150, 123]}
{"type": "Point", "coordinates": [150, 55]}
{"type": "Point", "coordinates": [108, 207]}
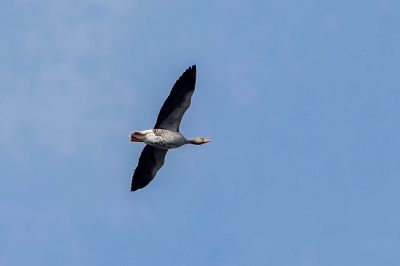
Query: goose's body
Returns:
{"type": "Point", "coordinates": [165, 134]}
{"type": "Point", "coordinates": [160, 138]}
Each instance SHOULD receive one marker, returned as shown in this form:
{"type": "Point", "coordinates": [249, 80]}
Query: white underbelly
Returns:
{"type": "Point", "coordinates": [164, 144]}
{"type": "Point", "coordinates": [170, 141]}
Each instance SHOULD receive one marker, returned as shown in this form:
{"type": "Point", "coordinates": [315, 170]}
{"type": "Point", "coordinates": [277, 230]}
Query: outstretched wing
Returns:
{"type": "Point", "coordinates": [178, 101]}
{"type": "Point", "coordinates": [150, 161]}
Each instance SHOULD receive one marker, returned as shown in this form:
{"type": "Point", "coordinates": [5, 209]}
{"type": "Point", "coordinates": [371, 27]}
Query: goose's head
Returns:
{"type": "Point", "coordinates": [199, 141]}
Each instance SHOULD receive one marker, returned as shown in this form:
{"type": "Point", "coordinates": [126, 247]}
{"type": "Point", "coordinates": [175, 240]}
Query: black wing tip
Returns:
{"type": "Point", "coordinates": [190, 72]}
{"type": "Point", "coordinates": [135, 186]}
{"type": "Point", "coordinates": [192, 69]}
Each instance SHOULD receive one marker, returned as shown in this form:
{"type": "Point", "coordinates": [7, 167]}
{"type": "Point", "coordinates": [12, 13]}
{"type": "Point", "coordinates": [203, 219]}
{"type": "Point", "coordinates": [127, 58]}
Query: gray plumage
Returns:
{"type": "Point", "coordinates": [166, 132]}
{"type": "Point", "coordinates": [150, 161]}
{"type": "Point", "coordinates": [178, 101]}
{"type": "Point", "coordinates": [167, 139]}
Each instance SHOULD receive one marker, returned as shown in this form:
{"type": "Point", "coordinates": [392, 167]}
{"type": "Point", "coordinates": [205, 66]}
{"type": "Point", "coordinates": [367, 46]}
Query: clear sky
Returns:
{"type": "Point", "coordinates": [300, 98]}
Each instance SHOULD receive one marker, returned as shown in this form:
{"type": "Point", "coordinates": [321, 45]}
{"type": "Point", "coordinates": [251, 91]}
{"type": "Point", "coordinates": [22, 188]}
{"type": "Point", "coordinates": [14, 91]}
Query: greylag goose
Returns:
{"type": "Point", "coordinates": [165, 134]}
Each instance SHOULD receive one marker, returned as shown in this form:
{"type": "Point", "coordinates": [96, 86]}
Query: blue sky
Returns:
{"type": "Point", "coordinates": [300, 98]}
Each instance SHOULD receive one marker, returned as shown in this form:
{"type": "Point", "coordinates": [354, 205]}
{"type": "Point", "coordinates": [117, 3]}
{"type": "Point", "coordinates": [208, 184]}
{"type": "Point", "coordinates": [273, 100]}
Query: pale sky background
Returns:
{"type": "Point", "coordinates": [300, 98]}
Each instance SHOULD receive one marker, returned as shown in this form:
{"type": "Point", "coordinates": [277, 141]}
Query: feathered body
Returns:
{"type": "Point", "coordinates": [161, 138]}
{"type": "Point", "coordinates": [165, 134]}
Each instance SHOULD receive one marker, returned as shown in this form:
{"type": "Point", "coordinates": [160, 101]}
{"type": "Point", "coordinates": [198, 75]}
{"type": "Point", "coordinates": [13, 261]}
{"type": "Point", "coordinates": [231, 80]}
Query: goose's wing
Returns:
{"type": "Point", "coordinates": [150, 161]}
{"type": "Point", "coordinates": [178, 101]}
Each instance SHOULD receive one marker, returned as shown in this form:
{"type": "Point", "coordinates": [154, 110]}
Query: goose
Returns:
{"type": "Point", "coordinates": [166, 134]}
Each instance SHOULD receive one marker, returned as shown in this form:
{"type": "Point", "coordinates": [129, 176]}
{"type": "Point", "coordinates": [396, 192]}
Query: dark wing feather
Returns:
{"type": "Point", "coordinates": [178, 101]}
{"type": "Point", "coordinates": [150, 161]}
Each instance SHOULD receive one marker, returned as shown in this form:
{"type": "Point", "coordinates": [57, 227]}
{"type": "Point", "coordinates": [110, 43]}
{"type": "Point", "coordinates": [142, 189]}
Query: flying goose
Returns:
{"type": "Point", "coordinates": [165, 134]}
